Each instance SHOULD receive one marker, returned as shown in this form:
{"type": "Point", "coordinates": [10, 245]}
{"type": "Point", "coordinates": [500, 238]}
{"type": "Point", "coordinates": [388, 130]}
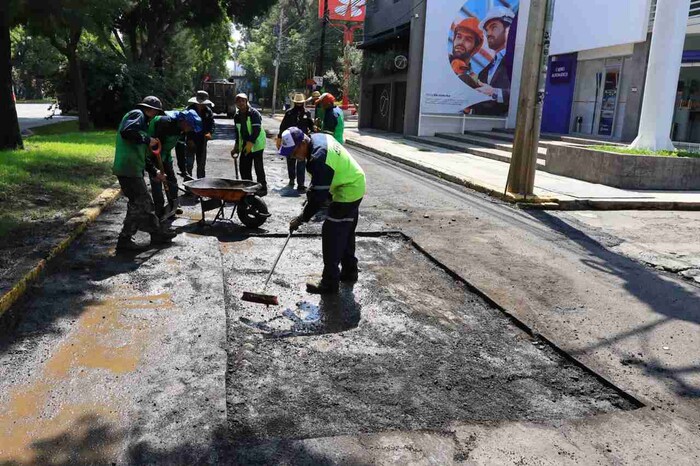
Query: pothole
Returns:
{"type": "Point", "coordinates": [406, 348]}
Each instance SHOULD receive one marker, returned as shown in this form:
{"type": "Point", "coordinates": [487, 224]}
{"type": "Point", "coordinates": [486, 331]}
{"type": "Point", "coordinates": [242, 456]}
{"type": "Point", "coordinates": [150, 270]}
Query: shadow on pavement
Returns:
{"type": "Point", "coordinates": [664, 296]}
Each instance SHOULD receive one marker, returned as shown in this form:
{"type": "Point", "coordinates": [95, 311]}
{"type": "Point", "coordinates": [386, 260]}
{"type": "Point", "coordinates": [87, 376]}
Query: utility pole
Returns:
{"type": "Point", "coordinates": [523, 164]}
{"type": "Point", "coordinates": [324, 22]}
{"type": "Point", "coordinates": [278, 57]}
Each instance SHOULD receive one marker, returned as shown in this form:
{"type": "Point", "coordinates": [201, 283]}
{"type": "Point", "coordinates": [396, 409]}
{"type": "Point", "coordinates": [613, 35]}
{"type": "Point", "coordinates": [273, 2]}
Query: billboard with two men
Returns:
{"type": "Point", "coordinates": [468, 57]}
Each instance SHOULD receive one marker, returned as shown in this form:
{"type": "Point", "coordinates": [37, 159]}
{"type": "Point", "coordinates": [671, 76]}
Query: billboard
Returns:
{"type": "Point", "coordinates": [593, 24]}
{"type": "Point", "coordinates": [343, 10]}
{"type": "Point", "coordinates": [468, 56]}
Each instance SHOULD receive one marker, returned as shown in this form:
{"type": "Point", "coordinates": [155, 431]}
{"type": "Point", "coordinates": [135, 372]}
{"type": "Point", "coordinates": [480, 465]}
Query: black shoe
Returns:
{"type": "Point", "coordinates": [301, 188]}
{"type": "Point", "coordinates": [262, 192]}
{"type": "Point", "coordinates": [348, 276]}
{"type": "Point", "coordinates": [290, 184]}
{"type": "Point", "coordinates": [128, 244]}
{"type": "Point", "coordinates": [163, 237]}
{"type": "Point", "coordinates": [322, 287]}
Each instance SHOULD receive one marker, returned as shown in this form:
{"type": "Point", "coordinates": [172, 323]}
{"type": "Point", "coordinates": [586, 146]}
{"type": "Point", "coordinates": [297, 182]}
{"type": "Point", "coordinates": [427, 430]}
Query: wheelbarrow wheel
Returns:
{"type": "Point", "coordinates": [252, 211]}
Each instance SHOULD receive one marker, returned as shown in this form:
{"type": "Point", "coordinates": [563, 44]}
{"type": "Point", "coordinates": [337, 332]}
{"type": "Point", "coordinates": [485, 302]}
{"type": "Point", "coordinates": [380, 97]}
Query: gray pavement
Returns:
{"type": "Point", "coordinates": [154, 360]}
{"type": "Point", "coordinates": [33, 115]}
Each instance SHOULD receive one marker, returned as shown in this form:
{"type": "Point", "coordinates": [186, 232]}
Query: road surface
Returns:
{"type": "Point", "coordinates": [440, 354]}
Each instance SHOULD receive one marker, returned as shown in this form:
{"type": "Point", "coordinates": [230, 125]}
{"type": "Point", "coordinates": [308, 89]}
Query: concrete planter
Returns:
{"type": "Point", "coordinates": [624, 170]}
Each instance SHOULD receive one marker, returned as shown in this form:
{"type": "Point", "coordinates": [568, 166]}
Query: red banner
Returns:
{"type": "Point", "coordinates": [344, 10]}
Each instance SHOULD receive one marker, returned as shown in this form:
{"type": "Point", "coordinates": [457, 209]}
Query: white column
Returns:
{"type": "Point", "coordinates": [664, 69]}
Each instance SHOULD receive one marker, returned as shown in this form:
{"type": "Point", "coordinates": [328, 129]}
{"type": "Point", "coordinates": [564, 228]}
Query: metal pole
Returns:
{"type": "Point", "coordinates": [277, 60]}
{"type": "Point", "coordinates": [523, 165]}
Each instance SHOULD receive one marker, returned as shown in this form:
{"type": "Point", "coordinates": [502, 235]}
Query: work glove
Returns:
{"type": "Point", "coordinates": [295, 224]}
{"type": "Point", "coordinates": [248, 147]}
{"type": "Point", "coordinates": [207, 136]}
{"type": "Point", "coordinates": [278, 142]}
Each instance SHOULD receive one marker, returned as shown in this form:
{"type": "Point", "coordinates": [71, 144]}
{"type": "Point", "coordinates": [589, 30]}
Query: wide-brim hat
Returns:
{"type": "Point", "coordinates": [151, 102]}
{"type": "Point", "coordinates": [299, 99]}
{"type": "Point", "coordinates": [202, 98]}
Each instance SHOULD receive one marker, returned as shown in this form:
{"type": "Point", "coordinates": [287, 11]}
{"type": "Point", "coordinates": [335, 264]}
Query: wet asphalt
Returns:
{"type": "Point", "coordinates": [154, 359]}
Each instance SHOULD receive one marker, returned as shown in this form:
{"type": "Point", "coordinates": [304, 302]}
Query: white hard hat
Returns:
{"type": "Point", "coordinates": [498, 12]}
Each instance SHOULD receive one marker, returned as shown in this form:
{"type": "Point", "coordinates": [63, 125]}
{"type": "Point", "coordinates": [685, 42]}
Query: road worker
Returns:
{"type": "Point", "coordinates": [333, 170]}
{"type": "Point", "coordinates": [301, 118]}
{"type": "Point", "coordinates": [333, 121]}
{"type": "Point", "coordinates": [197, 143]}
{"type": "Point", "coordinates": [250, 142]}
{"type": "Point", "coordinates": [130, 161]}
{"type": "Point", "coordinates": [168, 129]}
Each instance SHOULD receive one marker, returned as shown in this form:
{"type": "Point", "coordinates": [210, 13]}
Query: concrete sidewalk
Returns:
{"type": "Point", "coordinates": [489, 176]}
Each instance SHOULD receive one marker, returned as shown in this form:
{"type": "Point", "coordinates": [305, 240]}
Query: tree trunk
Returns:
{"type": "Point", "coordinates": [76, 76]}
{"type": "Point", "coordinates": [10, 137]}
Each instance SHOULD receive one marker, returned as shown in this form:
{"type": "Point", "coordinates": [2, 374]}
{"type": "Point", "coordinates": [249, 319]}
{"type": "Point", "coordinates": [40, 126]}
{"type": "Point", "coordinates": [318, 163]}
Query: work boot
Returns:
{"type": "Point", "coordinates": [301, 188]}
{"type": "Point", "coordinates": [262, 192]}
{"type": "Point", "coordinates": [290, 184]}
{"type": "Point", "coordinates": [348, 276]}
{"type": "Point", "coordinates": [163, 237]}
{"type": "Point", "coordinates": [126, 244]}
{"type": "Point", "coordinates": [322, 287]}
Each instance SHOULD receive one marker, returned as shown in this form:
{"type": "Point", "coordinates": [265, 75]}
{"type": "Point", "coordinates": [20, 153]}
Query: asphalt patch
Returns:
{"type": "Point", "coordinates": [406, 348]}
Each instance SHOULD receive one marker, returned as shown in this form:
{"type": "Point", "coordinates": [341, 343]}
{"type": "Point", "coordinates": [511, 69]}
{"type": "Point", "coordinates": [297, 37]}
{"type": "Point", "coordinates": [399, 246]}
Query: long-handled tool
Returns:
{"type": "Point", "coordinates": [261, 297]}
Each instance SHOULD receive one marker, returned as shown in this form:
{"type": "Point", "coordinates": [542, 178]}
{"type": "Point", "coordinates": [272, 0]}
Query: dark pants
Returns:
{"type": "Point", "coordinates": [181, 156]}
{"type": "Point", "coordinates": [157, 189]}
{"type": "Point", "coordinates": [198, 153]}
{"type": "Point", "coordinates": [140, 214]}
{"type": "Point", "coordinates": [296, 169]}
{"type": "Point", "coordinates": [247, 161]}
{"type": "Point", "coordinates": [339, 239]}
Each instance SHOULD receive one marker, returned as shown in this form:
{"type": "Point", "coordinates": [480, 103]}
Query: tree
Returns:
{"type": "Point", "coordinates": [146, 28]}
{"type": "Point", "coordinates": [300, 46]}
{"type": "Point", "coordinates": [63, 23]}
{"type": "Point", "coordinates": [10, 136]}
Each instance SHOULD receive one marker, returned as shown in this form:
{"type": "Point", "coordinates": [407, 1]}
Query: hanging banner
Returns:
{"type": "Point", "coordinates": [344, 10]}
{"type": "Point", "coordinates": [468, 57]}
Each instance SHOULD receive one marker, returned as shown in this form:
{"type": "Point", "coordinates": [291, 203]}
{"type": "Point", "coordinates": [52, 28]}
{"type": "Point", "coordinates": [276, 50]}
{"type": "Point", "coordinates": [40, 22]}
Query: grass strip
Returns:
{"type": "Point", "coordinates": [59, 172]}
{"type": "Point", "coordinates": [660, 153]}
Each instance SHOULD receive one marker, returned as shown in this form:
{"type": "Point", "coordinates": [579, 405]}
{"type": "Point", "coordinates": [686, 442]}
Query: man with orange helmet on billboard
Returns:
{"type": "Point", "coordinates": [466, 42]}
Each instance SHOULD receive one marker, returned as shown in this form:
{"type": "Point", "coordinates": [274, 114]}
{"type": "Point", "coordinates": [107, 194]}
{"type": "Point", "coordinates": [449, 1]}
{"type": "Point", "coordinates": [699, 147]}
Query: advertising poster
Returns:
{"type": "Point", "coordinates": [468, 56]}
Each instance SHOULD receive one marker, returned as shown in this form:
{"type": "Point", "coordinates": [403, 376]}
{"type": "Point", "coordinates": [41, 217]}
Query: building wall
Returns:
{"type": "Point", "coordinates": [383, 15]}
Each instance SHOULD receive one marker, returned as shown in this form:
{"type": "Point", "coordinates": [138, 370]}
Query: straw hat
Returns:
{"type": "Point", "coordinates": [202, 97]}
{"type": "Point", "coordinates": [299, 98]}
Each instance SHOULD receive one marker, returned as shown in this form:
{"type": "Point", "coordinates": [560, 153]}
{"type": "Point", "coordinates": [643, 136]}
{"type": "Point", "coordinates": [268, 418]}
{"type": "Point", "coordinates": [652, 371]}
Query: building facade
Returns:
{"type": "Point", "coordinates": [592, 91]}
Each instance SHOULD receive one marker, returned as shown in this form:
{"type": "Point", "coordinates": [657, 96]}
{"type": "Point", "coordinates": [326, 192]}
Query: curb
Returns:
{"type": "Point", "coordinates": [537, 203]}
{"type": "Point", "coordinates": [77, 225]}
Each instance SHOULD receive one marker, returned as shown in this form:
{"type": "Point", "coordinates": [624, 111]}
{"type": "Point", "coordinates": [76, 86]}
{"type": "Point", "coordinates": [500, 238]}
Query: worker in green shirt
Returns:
{"type": "Point", "coordinates": [333, 121]}
{"type": "Point", "coordinates": [168, 129]}
{"type": "Point", "coordinates": [130, 162]}
{"type": "Point", "coordinates": [336, 173]}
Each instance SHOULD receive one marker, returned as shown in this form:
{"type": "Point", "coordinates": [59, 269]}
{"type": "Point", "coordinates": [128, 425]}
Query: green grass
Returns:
{"type": "Point", "coordinates": [661, 153]}
{"type": "Point", "coordinates": [59, 172]}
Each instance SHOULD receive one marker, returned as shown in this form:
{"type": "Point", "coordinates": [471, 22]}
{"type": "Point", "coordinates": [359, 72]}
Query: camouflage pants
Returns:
{"type": "Point", "coordinates": [140, 211]}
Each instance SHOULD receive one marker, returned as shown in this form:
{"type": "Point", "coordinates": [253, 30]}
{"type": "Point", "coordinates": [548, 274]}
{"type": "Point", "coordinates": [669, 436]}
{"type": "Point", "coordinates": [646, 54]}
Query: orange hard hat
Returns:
{"type": "Point", "coordinates": [471, 25]}
{"type": "Point", "coordinates": [327, 98]}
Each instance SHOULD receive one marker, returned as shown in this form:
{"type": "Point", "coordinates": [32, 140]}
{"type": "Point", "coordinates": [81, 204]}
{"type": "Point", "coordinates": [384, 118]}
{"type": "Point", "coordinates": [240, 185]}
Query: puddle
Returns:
{"type": "Point", "coordinates": [109, 337]}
